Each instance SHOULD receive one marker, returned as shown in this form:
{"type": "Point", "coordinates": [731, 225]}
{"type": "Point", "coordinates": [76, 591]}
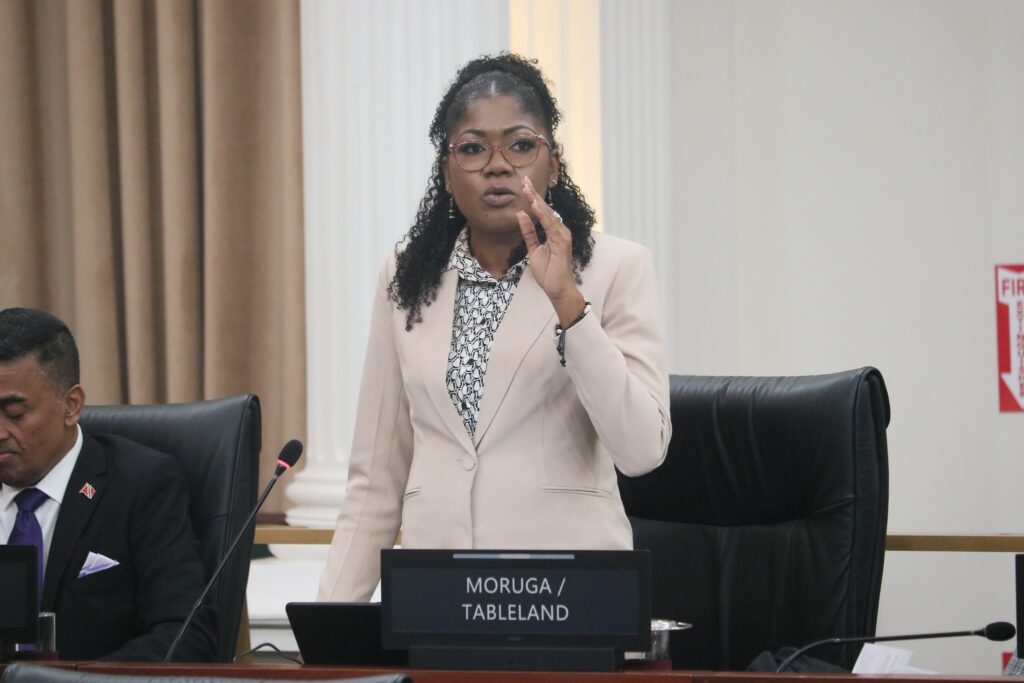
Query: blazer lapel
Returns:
{"type": "Point", "coordinates": [529, 314]}
{"type": "Point", "coordinates": [434, 345]}
{"type": "Point", "coordinates": [75, 512]}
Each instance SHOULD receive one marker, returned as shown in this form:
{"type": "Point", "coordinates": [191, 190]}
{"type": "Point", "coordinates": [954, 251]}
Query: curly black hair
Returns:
{"type": "Point", "coordinates": [429, 243]}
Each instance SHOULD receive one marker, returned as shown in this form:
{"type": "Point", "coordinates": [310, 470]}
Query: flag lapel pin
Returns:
{"type": "Point", "coordinates": [88, 491]}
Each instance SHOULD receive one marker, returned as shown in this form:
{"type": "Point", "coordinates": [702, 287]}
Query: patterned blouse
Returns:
{"type": "Point", "coordinates": [480, 304]}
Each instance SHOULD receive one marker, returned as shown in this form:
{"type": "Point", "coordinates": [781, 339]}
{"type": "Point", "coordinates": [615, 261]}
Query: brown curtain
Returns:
{"type": "Point", "coordinates": [151, 195]}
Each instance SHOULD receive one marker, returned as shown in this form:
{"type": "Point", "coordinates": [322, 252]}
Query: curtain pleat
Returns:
{"type": "Point", "coordinates": [95, 234]}
{"type": "Point", "coordinates": [179, 211]}
{"type": "Point", "coordinates": [21, 200]}
{"type": "Point", "coordinates": [139, 193]}
{"type": "Point", "coordinates": [151, 195]}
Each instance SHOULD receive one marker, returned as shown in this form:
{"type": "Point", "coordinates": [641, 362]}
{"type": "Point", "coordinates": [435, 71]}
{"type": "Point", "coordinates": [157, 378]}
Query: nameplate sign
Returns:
{"type": "Point", "coordinates": [516, 599]}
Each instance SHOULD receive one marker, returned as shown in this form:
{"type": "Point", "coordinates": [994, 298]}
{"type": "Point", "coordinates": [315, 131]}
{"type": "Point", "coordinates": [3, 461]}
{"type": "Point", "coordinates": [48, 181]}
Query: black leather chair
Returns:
{"type": "Point", "coordinates": [29, 673]}
{"type": "Point", "coordinates": [766, 523]}
{"type": "Point", "coordinates": [218, 442]}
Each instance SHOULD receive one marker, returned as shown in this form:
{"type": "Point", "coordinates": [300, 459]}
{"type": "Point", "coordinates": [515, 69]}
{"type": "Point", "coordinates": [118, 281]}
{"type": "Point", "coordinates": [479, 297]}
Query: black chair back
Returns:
{"type": "Point", "coordinates": [218, 442]}
{"type": "Point", "coordinates": [767, 521]}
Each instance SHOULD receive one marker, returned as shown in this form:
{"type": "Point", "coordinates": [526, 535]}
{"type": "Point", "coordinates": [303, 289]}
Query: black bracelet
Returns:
{"type": "Point", "coordinates": [560, 332]}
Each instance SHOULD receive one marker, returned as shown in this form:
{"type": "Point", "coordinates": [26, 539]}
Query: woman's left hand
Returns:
{"type": "Point", "coordinates": [551, 262]}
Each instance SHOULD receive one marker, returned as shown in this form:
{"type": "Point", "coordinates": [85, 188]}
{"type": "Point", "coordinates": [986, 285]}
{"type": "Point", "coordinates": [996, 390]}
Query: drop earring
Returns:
{"type": "Point", "coordinates": [547, 198]}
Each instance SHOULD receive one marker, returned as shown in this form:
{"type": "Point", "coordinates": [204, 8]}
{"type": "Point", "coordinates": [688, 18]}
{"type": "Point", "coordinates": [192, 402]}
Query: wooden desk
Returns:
{"type": "Point", "coordinates": [296, 672]}
{"type": "Point", "coordinates": [293, 535]}
{"type": "Point", "coordinates": [973, 543]}
{"type": "Point", "coordinates": [957, 543]}
{"type": "Point", "coordinates": [985, 543]}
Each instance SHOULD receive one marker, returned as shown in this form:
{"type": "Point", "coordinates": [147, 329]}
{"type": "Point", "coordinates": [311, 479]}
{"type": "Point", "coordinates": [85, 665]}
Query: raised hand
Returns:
{"type": "Point", "coordinates": [551, 262]}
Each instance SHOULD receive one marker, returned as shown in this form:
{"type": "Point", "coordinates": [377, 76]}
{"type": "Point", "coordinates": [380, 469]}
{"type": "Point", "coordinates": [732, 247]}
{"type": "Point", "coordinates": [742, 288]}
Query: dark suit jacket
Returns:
{"type": "Point", "coordinates": [138, 516]}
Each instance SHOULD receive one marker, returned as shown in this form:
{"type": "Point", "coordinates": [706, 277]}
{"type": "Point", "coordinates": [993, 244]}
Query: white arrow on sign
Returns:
{"type": "Point", "coordinates": [1011, 293]}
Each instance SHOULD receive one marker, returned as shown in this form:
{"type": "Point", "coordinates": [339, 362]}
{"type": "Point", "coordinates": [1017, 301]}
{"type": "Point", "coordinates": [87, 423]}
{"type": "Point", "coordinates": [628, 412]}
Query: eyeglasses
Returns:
{"type": "Point", "coordinates": [474, 155]}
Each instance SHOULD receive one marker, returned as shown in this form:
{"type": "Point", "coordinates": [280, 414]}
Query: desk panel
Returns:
{"type": "Point", "coordinates": [302, 673]}
{"type": "Point", "coordinates": [310, 673]}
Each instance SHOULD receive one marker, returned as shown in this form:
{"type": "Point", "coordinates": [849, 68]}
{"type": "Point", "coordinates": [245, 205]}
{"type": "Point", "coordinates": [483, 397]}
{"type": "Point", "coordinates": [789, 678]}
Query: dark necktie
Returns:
{"type": "Point", "coordinates": [26, 529]}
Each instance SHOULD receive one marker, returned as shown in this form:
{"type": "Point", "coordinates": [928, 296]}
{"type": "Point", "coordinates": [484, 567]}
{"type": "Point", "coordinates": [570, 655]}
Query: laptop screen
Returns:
{"type": "Point", "coordinates": [19, 606]}
{"type": "Point", "coordinates": [340, 633]}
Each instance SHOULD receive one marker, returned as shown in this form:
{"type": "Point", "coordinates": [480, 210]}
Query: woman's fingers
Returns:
{"type": "Point", "coordinates": [543, 212]}
{"type": "Point", "coordinates": [553, 226]}
{"type": "Point", "coordinates": [528, 231]}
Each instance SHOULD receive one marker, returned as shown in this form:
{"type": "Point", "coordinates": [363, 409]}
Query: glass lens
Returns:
{"type": "Point", "coordinates": [472, 155]}
{"type": "Point", "coordinates": [521, 151]}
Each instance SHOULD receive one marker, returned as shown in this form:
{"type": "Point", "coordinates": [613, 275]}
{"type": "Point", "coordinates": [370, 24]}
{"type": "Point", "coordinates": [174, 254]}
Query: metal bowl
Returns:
{"type": "Point", "coordinates": [658, 653]}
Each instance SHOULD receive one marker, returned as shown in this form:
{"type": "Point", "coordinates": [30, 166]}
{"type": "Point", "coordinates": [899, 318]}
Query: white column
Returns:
{"type": "Point", "coordinates": [636, 132]}
{"type": "Point", "coordinates": [372, 75]}
{"type": "Point", "coordinates": [564, 36]}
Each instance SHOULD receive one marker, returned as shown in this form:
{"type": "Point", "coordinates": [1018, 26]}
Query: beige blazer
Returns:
{"type": "Point", "coordinates": [540, 472]}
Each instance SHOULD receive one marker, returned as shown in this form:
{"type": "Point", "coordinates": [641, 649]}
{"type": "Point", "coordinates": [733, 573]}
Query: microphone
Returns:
{"type": "Point", "coordinates": [285, 460]}
{"type": "Point", "coordinates": [998, 630]}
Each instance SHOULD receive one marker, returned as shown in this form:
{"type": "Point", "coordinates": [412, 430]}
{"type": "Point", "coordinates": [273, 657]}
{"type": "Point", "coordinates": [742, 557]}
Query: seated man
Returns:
{"type": "Point", "coordinates": [111, 517]}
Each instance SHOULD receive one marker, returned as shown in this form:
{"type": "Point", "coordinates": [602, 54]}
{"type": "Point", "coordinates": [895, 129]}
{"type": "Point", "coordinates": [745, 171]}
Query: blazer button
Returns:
{"type": "Point", "coordinates": [468, 462]}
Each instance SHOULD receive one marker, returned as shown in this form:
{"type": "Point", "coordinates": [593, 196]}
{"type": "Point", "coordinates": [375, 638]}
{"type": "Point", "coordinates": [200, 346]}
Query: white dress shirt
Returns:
{"type": "Point", "coordinates": [53, 485]}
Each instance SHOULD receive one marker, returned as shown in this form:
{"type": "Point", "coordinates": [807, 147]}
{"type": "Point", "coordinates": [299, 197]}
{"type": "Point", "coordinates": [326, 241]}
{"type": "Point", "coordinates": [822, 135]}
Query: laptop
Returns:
{"type": "Point", "coordinates": [340, 633]}
{"type": "Point", "coordinates": [19, 606]}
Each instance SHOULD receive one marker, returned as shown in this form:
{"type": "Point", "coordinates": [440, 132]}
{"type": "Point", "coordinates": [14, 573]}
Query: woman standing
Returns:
{"type": "Point", "coordinates": [515, 358]}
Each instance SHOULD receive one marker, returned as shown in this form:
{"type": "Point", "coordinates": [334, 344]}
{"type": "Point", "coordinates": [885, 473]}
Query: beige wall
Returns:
{"type": "Point", "coordinates": [827, 185]}
{"type": "Point", "coordinates": [845, 176]}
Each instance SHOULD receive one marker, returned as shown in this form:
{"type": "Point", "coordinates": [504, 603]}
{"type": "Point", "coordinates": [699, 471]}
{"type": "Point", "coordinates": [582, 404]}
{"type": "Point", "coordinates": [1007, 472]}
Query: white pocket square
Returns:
{"type": "Point", "coordinates": [95, 562]}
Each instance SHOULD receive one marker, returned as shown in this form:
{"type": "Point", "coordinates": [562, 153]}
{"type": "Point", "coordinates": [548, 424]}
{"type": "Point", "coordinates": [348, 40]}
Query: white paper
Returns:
{"type": "Point", "coordinates": [880, 659]}
{"type": "Point", "coordinates": [94, 562]}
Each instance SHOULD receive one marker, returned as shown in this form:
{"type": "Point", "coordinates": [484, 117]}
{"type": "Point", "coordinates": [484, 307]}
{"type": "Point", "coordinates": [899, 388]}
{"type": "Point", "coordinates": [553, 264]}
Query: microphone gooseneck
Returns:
{"type": "Point", "coordinates": [998, 630]}
{"type": "Point", "coordinates": [288, 457]}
